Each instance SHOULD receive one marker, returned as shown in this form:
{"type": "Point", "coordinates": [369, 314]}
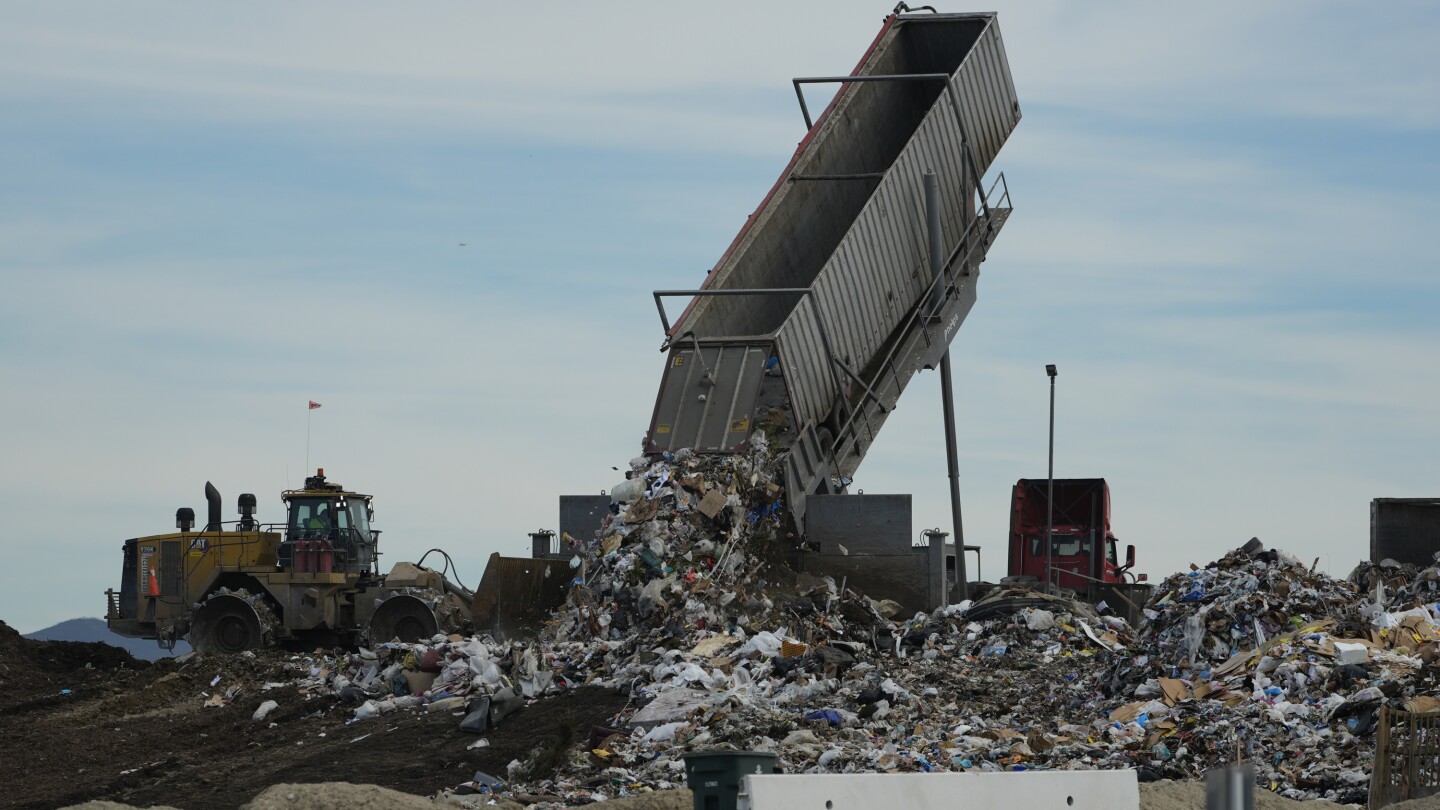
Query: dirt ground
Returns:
{"type": "Point", "coordinates": [1191, 796]}
{"type": "Point", "coordinates": [140, 733]}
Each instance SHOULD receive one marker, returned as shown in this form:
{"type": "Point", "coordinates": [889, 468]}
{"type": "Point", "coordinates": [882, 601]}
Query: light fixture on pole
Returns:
{"type": "Point", "coordinates": [1050, 493]}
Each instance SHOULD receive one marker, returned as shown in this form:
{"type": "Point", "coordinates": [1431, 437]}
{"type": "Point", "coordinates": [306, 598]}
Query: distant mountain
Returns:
{"type": "Point", "coordinates": [95, 630]}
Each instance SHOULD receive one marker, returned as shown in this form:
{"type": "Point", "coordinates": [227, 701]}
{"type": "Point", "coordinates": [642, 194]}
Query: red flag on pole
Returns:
{"type": "Point", "coordinates": [314, 404]}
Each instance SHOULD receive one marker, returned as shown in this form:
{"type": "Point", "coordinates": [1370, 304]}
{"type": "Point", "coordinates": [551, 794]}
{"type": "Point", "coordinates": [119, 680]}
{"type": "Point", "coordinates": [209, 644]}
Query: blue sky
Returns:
{"type": "Point", "coordinates": [1222, 235]}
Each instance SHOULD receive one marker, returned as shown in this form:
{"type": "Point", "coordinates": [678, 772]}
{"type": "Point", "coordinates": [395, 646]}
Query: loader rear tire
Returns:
{"type": "Point", "coordinates": [226, 624]}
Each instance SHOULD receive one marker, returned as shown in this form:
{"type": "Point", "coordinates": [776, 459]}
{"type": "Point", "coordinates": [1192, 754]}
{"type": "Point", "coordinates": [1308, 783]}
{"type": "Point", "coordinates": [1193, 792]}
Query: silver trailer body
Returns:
{"type": "Point", "coordinates": [824, 306]}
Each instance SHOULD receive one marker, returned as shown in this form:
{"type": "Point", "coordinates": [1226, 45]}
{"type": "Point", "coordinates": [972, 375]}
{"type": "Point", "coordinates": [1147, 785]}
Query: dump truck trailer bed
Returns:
{"type": "Point", "coordinates": [824, 306]}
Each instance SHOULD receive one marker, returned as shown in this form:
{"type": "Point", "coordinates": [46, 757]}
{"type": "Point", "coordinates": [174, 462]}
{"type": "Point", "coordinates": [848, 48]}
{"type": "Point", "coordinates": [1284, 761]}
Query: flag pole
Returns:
{"type": "Point", "coordinates": [309, 406]}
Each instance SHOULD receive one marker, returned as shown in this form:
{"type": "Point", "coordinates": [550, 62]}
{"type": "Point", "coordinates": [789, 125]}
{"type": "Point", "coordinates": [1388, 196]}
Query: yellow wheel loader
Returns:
{"type": "Point", "coordinates": [313, 580]}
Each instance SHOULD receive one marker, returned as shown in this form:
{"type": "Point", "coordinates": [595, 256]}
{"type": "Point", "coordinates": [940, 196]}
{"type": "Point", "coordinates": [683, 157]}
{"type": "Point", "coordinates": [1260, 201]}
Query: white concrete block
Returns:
{"type": "Point", "coordinates": [1351, 653]}
{"type": "Point", "coordinates": [1016, 790]}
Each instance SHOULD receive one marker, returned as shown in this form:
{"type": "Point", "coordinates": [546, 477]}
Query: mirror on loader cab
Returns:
{"type": "Point", "coordinates": [1129, 557]}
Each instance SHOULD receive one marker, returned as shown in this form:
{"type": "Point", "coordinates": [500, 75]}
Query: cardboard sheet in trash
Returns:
{"type": "Point", "coordinates": [1420, 704]}
{"type": "Point", "coordinates": [642, 510]}
{"type": "Point", "coordinates": [1128, 712]}
{"type": "Point", "coordinates": [1235, 662]}
{"type": "Point", "coordinates": [712, 503]}
{"type": "Point", "coordinates": [1175, 690]}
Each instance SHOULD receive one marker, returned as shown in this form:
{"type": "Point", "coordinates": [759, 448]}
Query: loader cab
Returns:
{"type": "Point", "coordinates": [327, 529]}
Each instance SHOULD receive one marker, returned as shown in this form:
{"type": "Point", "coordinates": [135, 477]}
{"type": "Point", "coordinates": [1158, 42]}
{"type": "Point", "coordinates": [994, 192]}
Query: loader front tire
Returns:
{"type": "Point", "coordinates": [405, 618]}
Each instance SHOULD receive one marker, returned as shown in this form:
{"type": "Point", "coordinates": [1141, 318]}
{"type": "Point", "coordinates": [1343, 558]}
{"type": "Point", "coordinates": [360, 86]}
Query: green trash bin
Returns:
{"type": "Point", "coordinates": [715, 776]}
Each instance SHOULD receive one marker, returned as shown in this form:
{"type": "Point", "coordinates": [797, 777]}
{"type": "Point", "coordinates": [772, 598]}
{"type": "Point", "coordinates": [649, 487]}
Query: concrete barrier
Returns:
{"type": "Point", "coordinates": [1024, 790]}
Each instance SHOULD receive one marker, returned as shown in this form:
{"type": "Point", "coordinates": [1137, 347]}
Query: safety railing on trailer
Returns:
{"type": "Point", "coordinates": [1407, 757]}
{"type": "Point", "coordinates": [923, 310]}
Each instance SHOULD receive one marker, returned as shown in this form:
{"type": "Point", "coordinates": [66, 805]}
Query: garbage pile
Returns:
{"type": "Point", "coordinates": [677, 603]}
{"type": "Point", "coordinates": [1400, 585]}
{"type": "Point", "coordinates": [1260, 657]}
{"type": "Point", "coordinates": [674, 602]}
{"type": "Point", "coordinates": [686, 546]}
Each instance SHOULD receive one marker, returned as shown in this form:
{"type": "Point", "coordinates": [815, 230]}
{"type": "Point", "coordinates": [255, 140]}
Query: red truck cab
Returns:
{"type": "Point", "coordinates": [1083, 548]}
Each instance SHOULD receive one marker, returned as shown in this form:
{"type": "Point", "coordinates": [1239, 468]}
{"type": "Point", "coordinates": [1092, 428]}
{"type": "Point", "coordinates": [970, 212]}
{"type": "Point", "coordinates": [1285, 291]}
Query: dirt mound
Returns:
{"type": "Point", "coordinates": [144, 735]}
{"type": "Point", "coordinates": [69, 656]}
{"type": "Point", "coordinates": [16, 668]}
{"type": "Point", "coordinates": [62, 656]}
{"type": "Point", "coordinates": [102, 805]}
{"type": "Point", "coordinates": [337, 796]}
{"type": "Point", "coordinates": [42, 671]}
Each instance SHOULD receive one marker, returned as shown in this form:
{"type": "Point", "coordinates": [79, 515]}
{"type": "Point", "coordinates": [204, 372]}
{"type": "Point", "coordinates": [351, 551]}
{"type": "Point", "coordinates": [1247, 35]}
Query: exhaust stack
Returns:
{"type": "Point", "coordinates": [213, 496]}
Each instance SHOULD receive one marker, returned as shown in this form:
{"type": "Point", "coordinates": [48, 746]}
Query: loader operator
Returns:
{"type": "Point", "coordinates": [320, 520]}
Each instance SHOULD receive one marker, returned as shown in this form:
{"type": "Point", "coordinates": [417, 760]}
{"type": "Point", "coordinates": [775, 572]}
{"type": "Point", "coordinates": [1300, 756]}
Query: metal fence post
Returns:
{"type": "Point", "coordinates": [1230, 788]}
{"type": "Point", "coordinates": [1380, 769]}
{"type": "Point", "coordinates": [1412, 760]}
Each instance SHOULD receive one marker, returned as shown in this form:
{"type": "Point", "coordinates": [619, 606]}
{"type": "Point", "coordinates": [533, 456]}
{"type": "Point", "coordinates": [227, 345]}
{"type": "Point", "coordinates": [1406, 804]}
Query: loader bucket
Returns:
{"type": "Point", "coordinates": [404, 617]}
{"type": "Point", "coordinates": [517, 594]}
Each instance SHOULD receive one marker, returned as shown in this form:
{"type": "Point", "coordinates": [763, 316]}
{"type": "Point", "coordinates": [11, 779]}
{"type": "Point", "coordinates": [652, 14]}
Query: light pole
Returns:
{"type": "Point", "coordinates": [1050, 493]}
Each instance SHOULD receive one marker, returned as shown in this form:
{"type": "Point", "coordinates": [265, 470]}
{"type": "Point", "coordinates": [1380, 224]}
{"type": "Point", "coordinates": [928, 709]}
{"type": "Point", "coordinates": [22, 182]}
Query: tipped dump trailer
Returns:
{"type": "Point", "coordinates": [825, 304]}
{"type": "Point", "coordinates": [854, 273]}
{"type": "Point", "coordinates": [1406, 530]}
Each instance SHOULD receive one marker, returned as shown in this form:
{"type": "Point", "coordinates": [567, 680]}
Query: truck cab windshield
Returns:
{"type": "Point", "coordinates": [1063, 545]}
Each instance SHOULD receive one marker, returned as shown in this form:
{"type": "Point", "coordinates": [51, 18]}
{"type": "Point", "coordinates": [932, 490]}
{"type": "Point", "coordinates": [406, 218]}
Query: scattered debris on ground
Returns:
{"type": "Point", "coordinates": [182, 733]}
